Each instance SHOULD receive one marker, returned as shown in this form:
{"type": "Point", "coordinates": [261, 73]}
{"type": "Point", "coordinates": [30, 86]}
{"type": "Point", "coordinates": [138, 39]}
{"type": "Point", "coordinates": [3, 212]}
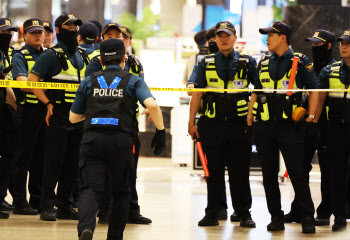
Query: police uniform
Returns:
{"type": "Point", "coordinates": [337, 76]}
{"type": "Point", "coordinates": [274, 130]}
{"type": "Point", "coordinates": [7, 128]}
{"type": "Point", "coordinates": [322, 57]}
{"type": "Point", "coordinates": [135, 67]}
{"type": "Point", "coordinates": [60, 64]}
{"type": "Point", "coordinates": [222, 129]}
{"type": "Point", "coordinates": [108, 139]}
{"type": "Point", "coordinates": [30, 126]}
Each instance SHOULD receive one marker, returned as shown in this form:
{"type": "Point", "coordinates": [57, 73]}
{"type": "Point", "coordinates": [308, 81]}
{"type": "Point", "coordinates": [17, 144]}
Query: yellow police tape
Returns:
{"type": "Point", "coordinates": [71, 86]}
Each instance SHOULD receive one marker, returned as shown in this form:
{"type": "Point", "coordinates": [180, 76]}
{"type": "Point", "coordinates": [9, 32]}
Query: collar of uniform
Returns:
{"type": "Point", "coordinates": [32, 50]}
{"type": "Point", "coordinates": [114, 66]}
{"type": "Point", "coordinates": [87, 46]}
{"type": "Point", "coordinates": [343, 65]}
{"type": "Point", "coordinates": [96, 45]}
{"type": "Point", "coordinates": [63, 46]}
{"type": "Point", "coordinates": [231, 55]}
{"type": "Point", "coordinates": [287, 54]}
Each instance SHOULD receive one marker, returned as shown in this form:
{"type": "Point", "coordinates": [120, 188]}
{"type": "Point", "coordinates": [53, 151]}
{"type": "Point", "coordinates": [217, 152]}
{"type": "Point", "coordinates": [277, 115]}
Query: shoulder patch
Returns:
{"type": "Point", "coordinates": [309, 67]}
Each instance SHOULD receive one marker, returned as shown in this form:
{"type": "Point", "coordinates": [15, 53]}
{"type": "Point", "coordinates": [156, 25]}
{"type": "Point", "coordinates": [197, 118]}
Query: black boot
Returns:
{"type": "Point", "coordinates": [277, 223]}
{"type": "Point", "coordinates": [308, 224]}
{"type": "Point", "coordinates": [208, 221]}
{"type": "Point", "coordinates": [247, 222]}
{"type": "Point", "coordinates": [138, 219]}
{"type": "Point", "coordinates": [222, 214]}
{"type": "Point", "coordinates": [86, 234]}
{"type": "Point", "coordinates": [48, 215]}
{"type": "Point", "coordinates": [290, 218]}
{"type": "Point", "coordinates": [4, 215]}
{"type": "Point", "coordinates": [103, 217]}
{"type": "Point", "coordinates": [67, 213]}
{"type": "Point", "coordinates": [235, 217]}
{"type": "Point", "coordinates": [339, 224]}
{"type": "Point", "coordinates": [320, 221]}
{"type": "Point", "coordinates": [5, 206]}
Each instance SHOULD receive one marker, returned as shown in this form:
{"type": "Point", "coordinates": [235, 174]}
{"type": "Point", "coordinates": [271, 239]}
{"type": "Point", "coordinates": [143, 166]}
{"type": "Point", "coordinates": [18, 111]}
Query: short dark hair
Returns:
{"type": "Point", "coordinates": [210, 33]}
{"type": "Point", "coordinates": [199, 38]}
{"type": "Point", "coordinates": [287, 36]}
{"type": "Point", "coordinates": [112, 60]}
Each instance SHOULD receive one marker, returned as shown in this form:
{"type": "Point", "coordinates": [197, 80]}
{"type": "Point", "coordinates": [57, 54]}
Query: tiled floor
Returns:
{"type": "Point", "coordinates": [175, 198]}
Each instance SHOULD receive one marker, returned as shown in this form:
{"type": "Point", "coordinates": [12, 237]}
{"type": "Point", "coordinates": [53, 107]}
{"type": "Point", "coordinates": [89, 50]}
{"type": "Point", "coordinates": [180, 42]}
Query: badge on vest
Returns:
{"type": "Point", "coordinates": [265, 80]}
{"type": "Point", "coordinates": [213, 80]}
{"type": "Point", "coordinates": [285, 83]}
{"type": "Point", "coordinates": [238, 84]}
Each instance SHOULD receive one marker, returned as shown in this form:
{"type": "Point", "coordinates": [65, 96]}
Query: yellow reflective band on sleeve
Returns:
{"type": "Point", "coordinates": [327, 110]}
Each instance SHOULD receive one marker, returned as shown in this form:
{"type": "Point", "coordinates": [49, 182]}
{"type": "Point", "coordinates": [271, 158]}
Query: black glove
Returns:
{"type": "Point", "coordinates": [158, 141]}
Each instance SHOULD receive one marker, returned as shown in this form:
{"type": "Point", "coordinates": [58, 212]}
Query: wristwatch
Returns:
{"type": "Point", "coordinates": [47, 104]}
{"type": "Point", "coordinates": [312, 116]}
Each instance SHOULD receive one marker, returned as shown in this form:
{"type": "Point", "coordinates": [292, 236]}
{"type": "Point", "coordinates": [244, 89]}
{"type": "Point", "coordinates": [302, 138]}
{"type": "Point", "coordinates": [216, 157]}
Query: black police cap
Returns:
{"type": "Point", "coordinates": [226, 27]}
{"type": "Point", "coordinates": [126, 31]}
{"type": "Point", "coordinates": [5, 24]}
{"type": "Point", "coordinates": [345, 37]}
{"type": "Point", "coordinates": [67, 19]}
{"type": "Point", "coordinates": [321, 35]}
{"type": "Point", "coordinates": [112, 47]}
{"type": "Point", "coordinates": [48, 26]}
{"type": "Point", "coordinates": [109, 26]}
{"type": "Point", "coordinates": [32, 25]}
{"type": "Point", "coordinates": [88, 31]}
{"type": "Point", "coordinates": [98, 25]}
{"type": "Point", "coordinates": [277, 27]}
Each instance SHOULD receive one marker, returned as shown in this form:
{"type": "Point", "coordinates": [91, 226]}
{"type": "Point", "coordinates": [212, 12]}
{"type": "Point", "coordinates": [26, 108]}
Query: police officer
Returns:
{"type": "Point", "coordinates": [210, 38]}
{"type": "Point", "coordinates": [107, 99]}
{"type": "Point", "coordinates": [7, 140]}
{"type": "Point", "coordinates": [337, 76]}
{"type": "Point", "coordinates": [29, 122]}
{"type": "Point", "coordinates": [63, 64]}
{"type": "Point", "coordinates": [221, 127]}
{"type": "Point", "coordinates": [274, 130]}
{"type": "Point", "coordinates": [48, 35]}
{"type": "Point", "coordinates": [322, 45]}
{"type": "Point", "coordinates": [114, 30]}
{"type": "Point", "coordinates": [133, 65]}
{"type": "Point", "coordinates": [99, 27]}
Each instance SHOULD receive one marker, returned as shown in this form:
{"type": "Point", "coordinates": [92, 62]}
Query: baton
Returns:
{"type": "Point", "coordinates": [292, 75]}
{"type": "Point", "coordinates": [202, 157]}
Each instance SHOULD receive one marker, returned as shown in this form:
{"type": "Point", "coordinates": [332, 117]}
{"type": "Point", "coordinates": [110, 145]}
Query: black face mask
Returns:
{"type": "Point", "coordinates": [213, 48]}
{"type": "Point", "coordinates": [321, 56]}
{"type": "Point", "coordinates": [5, 40]}
{"type": "Point", "coordinates": [69, 38]}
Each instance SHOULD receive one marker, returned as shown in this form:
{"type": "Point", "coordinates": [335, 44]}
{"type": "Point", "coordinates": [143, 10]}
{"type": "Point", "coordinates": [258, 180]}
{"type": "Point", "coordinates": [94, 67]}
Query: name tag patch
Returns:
{"type": "Point", "coordinates": [285, 83]}
{"type": "Point", "coordinates": [265, 80]}
{"type": "Point", "coordinates": [238, 84]}
{"type": "Point", "coordinates": [213, 80]}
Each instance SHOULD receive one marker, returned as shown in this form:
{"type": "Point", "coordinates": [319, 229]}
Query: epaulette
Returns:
{"type": "Point", "coordinates": [61, 56]}
{"type": "Point", "coordinates": [83, 54]}
{"type": "Point", "coordinates": [244, 57]}
{"type": "Point", "coordinates": [209, 58]}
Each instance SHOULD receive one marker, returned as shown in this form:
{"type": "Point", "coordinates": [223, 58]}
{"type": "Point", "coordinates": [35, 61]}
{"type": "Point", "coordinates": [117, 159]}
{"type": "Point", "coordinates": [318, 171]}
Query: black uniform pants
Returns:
{"type": "Point", "coordinates": [7, 146]}
{"type": "Point", "coordinates": [105, 152]}
{"type": "Point", "coordinates": [339, 152]}
{"type": "Point", "coordinates": [105, 199]}
{"type": "Point", "coordinates": [28, 157]}
{"type": "Point", "coordinates": [270, 137]}
{"type": "Point", "coordinates": [222, 142]}
{"type": "Point", "coordinates": [324, 210]}
{"type": "Point", "coordinates": [61, 159]}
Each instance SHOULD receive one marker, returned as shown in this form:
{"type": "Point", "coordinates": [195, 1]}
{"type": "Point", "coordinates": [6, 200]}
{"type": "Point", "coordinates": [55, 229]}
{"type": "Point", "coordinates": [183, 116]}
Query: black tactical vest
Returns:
{"type": "Point", "coordinates": [110, 106]}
